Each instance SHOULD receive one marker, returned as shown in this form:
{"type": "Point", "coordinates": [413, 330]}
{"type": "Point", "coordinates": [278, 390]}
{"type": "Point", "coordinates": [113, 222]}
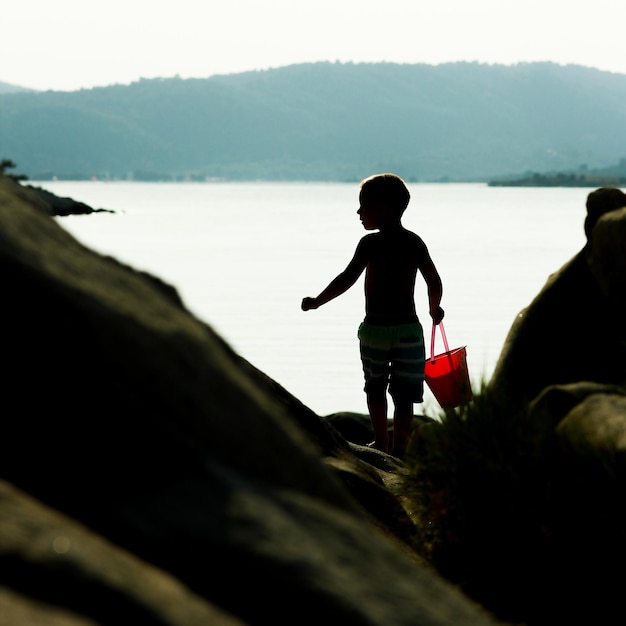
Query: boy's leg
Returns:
{"type": "Point", "coordinates": [402, 424]}
{"type": "Point", "coordinates": [407, 383]}
{"type": "Point", "coordinates": [377, 406]}
{"type": "Point", "coordinates": [374, 346]}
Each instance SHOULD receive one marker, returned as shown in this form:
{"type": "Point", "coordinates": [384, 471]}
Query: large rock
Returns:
{"type": "Point", "coordinates": [585, 519]}
{"type": "Point", "coordinates": [150, 475]}
{"type": "Point", "coordinates": [575, 328]}
{"type": "Point", "coordinates": [563, 366]}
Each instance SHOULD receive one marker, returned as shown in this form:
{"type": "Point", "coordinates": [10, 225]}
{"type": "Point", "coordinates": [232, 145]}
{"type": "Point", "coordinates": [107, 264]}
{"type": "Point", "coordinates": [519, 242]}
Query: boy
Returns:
{"type": "Point", "coordinates": [391, 337]}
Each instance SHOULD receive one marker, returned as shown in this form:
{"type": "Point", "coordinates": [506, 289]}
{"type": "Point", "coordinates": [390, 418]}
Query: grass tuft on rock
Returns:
{"type": "Point", "coordinates": [477, 483]}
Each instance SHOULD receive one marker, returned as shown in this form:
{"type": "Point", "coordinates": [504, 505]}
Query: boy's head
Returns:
{"type": "Point", "coordinates": [387, 190]}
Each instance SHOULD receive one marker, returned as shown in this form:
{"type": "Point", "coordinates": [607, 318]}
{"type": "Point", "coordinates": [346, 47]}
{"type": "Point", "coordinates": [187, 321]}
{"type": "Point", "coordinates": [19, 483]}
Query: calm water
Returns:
{"type": "Point", "coordinates": [243, 255]}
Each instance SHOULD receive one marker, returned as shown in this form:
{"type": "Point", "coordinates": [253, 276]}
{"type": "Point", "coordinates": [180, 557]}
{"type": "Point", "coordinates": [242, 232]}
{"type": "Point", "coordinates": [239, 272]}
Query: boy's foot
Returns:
{"type": "Point", "coordinates": [372, 444]}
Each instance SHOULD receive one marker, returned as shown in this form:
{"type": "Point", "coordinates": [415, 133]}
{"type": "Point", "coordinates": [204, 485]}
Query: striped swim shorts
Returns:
{"type": "Point", "coordinates": [393, 356]}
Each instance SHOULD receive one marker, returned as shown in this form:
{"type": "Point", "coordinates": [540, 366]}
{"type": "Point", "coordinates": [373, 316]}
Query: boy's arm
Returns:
{"type": "Point", "coordinates": [341, 283]}
{"type": "Point", "coordinates": [435, 289]}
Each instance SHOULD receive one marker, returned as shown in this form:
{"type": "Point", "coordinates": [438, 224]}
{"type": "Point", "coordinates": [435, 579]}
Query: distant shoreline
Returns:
{"type": "Point", "coordinates": [562, 180]}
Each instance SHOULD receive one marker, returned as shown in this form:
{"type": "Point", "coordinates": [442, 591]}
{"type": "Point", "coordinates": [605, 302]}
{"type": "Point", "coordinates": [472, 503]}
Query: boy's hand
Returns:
{"type": "Point", "coordinates": [308, 303]}
{"type": "Point", "coordinates": [437, 315]}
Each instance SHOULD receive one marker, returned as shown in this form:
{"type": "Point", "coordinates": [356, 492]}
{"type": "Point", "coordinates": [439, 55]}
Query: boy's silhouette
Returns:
{"type": "Point", "coordinates": [391, 336]}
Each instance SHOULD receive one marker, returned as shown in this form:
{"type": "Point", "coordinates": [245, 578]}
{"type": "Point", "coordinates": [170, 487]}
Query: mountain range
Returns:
{"type": "Point", "coordinates": [324, 121]}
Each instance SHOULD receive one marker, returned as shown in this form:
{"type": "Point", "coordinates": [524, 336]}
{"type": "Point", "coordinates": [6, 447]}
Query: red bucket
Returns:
{"type": "Point", "coordinates": [447, 374]}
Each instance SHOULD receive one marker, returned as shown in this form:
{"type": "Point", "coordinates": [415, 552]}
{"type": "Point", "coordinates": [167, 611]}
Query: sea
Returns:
{"type": "Point", "coordinates": [242, 255]}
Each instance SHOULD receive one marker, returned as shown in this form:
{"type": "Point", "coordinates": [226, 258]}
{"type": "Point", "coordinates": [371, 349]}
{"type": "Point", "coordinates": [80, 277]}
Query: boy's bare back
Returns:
{"type": "Point", "coordinates": [392, 259]}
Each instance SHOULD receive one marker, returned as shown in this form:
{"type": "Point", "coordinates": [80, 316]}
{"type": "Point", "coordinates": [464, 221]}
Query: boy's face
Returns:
{"type": "Point", "coordinates": [373, 214]}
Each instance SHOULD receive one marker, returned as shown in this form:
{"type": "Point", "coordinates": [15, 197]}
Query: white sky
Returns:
{"type": "Point", "coordinates": [73, 44]}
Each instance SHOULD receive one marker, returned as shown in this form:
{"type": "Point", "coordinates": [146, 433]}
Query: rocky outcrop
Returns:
{"type": "Point", "coordinates": [57, 205]}
{"type": "Point", "coordinates": [150, 475]}
{"type": "Point", "coordinates": [575, 328]}
{"type": "Point", "coordinates": [565, 361]}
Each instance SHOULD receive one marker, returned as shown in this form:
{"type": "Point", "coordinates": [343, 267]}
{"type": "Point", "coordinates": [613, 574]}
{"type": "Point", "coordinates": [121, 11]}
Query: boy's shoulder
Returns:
{"type": "Point", "coordinates": [402, 234]}
{"type": "Point", "coordinates": [413, 236]}
{"type": "Point", "coordinates": [402, 239]}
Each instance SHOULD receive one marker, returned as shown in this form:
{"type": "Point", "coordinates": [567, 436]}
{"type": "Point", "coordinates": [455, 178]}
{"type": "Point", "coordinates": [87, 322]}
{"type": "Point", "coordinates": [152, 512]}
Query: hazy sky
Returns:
{"type": "Point", "coordinates": [74, 44]}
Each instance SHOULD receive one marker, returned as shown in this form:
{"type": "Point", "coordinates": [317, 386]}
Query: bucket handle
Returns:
{"type": "Point", "coordinates": [432, 340]}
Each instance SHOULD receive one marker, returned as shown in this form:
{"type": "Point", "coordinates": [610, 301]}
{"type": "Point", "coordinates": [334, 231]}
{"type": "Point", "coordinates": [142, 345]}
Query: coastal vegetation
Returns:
{"type": "Point", "coordinates": [477, 481]}
{"type": "Point", "coordinates": [7, 164]}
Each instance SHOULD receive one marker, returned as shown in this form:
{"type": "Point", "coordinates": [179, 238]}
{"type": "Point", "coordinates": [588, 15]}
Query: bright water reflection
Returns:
{"type": "Point", "coordinates": [242, 256]}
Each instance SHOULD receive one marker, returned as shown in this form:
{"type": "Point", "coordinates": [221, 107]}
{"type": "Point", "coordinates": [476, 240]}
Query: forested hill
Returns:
{"type": "Point", "coordinates": [325, 121]}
